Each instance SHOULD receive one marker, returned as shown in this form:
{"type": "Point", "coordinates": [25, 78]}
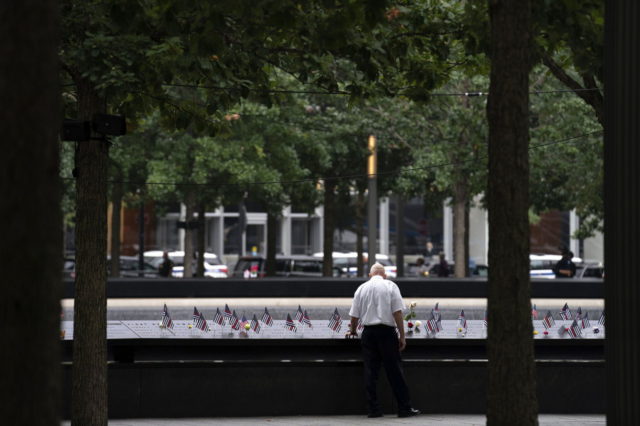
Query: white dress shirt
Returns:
{"type": "Point", "coordinates": [375, 302]}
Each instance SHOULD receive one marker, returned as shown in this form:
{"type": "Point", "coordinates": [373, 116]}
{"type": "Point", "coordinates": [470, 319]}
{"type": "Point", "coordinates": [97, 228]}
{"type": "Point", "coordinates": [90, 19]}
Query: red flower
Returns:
{"type": "Point", "coordinates": [409, 324]}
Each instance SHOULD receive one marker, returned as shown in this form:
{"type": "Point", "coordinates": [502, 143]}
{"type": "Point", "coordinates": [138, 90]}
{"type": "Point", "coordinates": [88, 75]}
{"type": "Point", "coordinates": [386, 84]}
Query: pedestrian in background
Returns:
{"type": "Point", "coordinates": [166, 267]}
{"type": "Point", "coordinates": [565, 268]}
{"type": "Point", "coordinates": [378, 305]}
{"type": "Point", "coordinates": [443, 267]}
{"type": "Point", "coordinates": [422, 270]}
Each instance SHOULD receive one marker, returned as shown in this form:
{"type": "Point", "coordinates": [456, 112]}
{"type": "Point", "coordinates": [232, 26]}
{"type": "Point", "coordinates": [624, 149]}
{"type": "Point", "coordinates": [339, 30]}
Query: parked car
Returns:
{"type": "Point", "coordinates": [69, 268]}
{"type": "Point", "coordinates": [213, 268]}
{"type": "Point", "coordinates": [541, 265]}
{"type": "Point", "coordinates": [130, 267]}
{"type": "Point", "coordinates": [475, 270]}
{"type": "Point", "coordinates": [347, 262]}
{"type": "Point", "coordinates": [286, 266]}
{"type": "Point", "coordinates": [590, 270]}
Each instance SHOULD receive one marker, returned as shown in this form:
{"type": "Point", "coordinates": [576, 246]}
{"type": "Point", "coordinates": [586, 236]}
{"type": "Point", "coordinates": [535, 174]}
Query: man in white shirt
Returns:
{"type": "Point", "coordinates": [378, 304]}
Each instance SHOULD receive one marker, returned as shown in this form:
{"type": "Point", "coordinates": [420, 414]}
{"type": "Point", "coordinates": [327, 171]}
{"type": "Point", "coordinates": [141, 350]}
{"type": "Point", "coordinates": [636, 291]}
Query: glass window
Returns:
{"type": "Point", "coordinates": [255, 236]}
{"type": "Point", "coordinates": [300, 236]}
{"type": "Point", "coordinates": [307, 266]}
{"type": "Point", "coordinates": [231, 235]}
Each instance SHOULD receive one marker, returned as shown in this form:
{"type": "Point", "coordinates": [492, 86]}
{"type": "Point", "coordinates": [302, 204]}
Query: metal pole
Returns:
{"type": "Point", "coordinates": [372, 219]}
{"type": "Point", "coordinates": [141, 240]}
{"type": "Point", "coordinates": [400, 235]}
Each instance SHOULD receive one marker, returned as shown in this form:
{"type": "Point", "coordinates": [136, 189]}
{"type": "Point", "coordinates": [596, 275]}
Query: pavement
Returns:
{"type": "Point", "coordinates": [426, 419]}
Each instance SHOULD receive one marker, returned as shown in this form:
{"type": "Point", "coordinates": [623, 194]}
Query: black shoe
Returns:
{"type": "Point", "coordinates": [410, 413]}
{"type": "Point", "coordinates": [374, 415]}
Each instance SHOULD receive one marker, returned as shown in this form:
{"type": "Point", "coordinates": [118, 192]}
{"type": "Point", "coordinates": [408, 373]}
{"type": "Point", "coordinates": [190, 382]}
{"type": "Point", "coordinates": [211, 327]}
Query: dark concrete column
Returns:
{"type": "Point", "coordinates": [622, 210]}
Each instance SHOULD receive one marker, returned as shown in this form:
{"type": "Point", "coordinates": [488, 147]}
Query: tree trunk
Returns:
{"type": "Point", "coordinates": [188, 235]}
{"type": "Point", "coordinates": [360, 205]}
{"type": "Point", "coordinates": [201, 239]}
{"type": "Point", "coordinates": [32, 235]}
{"type": "Point", "coordinates": [89, 383]}
{"type": "Point", "coordinates": [272, 228]}
{"type": "Point", "coordinates": [460, 214]}
{"type": "Point", "coordinates": [116, 202]}
{"type": "Point", "coordinates": [511, 395]}
{"type": "Point", "coordinates": [329, 227]}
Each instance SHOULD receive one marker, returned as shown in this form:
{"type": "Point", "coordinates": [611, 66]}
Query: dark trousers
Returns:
{"type": "Point", "coordinates": [380, 347]}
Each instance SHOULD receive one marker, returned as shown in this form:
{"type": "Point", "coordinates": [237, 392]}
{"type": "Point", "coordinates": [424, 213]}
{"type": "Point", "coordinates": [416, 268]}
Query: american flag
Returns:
{"type": "Point", "coordinates": [335, 322]}
{"type": "Point", "coordinates": [255, 325]}
{"type": "Point", "coordinates": [360, 324]}
{"type": "Point", "coordinates": [565, 313]}
{"type": "Point", "coordinates": [166, 318]}
{"type": "Point", "coordinates": [201, 323]}
{"type": "Point", "coordinates": [234, 321]}
{"type": "Point", "coordinates": [584, 321]}
{"type": "Point", "coordinates": [436, 312]}
{"type": "Point", "coordinates": [601, 319]}
{"type": "Point", "coordinates": [534, 312]}
{"type": "Point", "coordinates": [218, 318]}
{"type": "Point", "coordinates": [548, 320]}
{"type": "Point", "coordinates": [227, 313]}
{"type": "Point", "coordinates": [575, 330]}
{"type": "Point", "coordinates": [485, 323]}
{"type": "Point", "coordinates": [196, 314]}
{"type": "Point", "coordinates": [289, 324]}
{"type": "Point", "coordinates": [243, 321]}
{"type": "Point", "coordinates": [462, 321]}
{"type": "Point", "coordinates": [299, 314]}
{"type": "Point", "coordinates": [266, 317]}
{"type": "Point", "coordinates": [432, 324]}
{"type": "Point", "coordinates": [306, 319]}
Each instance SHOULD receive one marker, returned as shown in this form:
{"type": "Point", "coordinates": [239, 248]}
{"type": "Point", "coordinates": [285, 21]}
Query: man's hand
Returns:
{"type": "Point", "coordinates": [402, 343]}
{"type": "Point", "coordinates": [352, 335]}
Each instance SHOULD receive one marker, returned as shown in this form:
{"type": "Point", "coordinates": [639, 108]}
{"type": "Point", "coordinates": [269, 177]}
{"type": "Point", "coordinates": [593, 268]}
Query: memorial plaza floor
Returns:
{"type": "Point", "coordinates": [426, 419]}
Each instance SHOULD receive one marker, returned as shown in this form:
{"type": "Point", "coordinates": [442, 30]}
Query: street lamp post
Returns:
{"type": "Point", "coordinates": [141, 238]}
{"type": "Point", "coordinates": [372, 169]}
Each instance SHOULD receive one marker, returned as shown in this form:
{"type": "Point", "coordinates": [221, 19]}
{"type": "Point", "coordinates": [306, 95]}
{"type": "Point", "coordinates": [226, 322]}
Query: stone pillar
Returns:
{"type": "Point", "coordinates": [285, 231]}
{"type": "Point", "coordinates": [574, 223]}
{"type": "Point", "coordinates": [447, 230]}
{"type": "Point", "coordinates": [622, 208]}
{"type": "Point", "coordinates": [384, 226]}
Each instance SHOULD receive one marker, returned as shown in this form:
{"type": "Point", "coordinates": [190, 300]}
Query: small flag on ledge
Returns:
{"type": "Point", "coordinates": [335, 323]}
{"type": "Point", "coordinates": [299, 314]}
{"type": "Point", "coordinates": [266, 317]}
{"type": "Point", "coordinates": [218, 318]}
{"type": "Point", "coordinates": [548, 321]}
{"type": "Point", "coordinates": [290, 325]}
{"type": "Point", "coordinates": [565, 313]}
{"type": "Point", "coordinates": [305, 319]}
{"type": "Point", "coordinates": [255, 325]}
{"type": "Point", "coordinates": [166, 318]}
{"type": "Point", "coordinates": [235, 321]}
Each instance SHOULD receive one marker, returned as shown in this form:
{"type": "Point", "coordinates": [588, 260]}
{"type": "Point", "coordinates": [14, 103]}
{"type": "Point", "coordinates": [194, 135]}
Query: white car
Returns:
{"type": "Point", "coordinates": [541, 265]}
{"type": "Point", "coordinates": [212, 266]}
{"type": "Point", "coordinates": [348, 262]}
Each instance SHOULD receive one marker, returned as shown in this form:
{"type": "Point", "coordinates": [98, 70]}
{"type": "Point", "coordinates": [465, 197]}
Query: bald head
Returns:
{"type": "Point", "coordinates": [377, 269]}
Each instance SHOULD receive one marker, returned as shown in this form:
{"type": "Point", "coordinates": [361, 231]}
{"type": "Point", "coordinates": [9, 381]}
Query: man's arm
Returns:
{"type": "Point", "coordinates": [397, 316]}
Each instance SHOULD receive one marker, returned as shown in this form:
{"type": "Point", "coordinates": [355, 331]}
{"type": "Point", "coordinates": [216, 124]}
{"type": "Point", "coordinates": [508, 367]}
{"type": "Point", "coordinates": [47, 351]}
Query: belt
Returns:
{"type": "Point", "coordinates": [378, 326]}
